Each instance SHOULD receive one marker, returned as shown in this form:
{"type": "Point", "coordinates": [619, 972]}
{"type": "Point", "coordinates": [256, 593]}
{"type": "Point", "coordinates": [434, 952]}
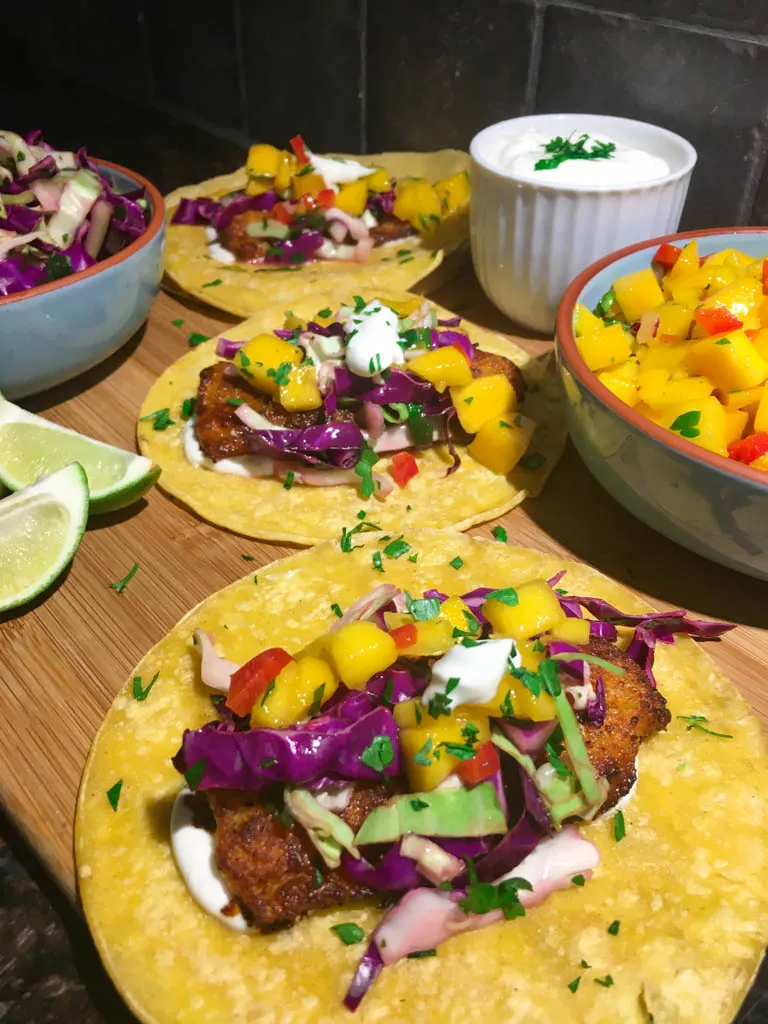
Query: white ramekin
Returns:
{"type": "Point", "coordinates": [530, 240]}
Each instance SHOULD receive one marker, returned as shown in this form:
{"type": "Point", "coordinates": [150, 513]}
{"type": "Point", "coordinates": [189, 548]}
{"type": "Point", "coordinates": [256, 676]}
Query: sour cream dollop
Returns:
{"type": "Point", "coordinates": [478, 668]}
{"type": "Point", "coordinates": [519, 155]}
{"type": "Point", "coordinates": [338, 171]}
{"type": "Point", "coordinates": [372, 340]}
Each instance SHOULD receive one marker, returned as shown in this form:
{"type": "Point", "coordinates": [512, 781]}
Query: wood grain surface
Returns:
{"type": "Point", "coordinates": [63, 659]}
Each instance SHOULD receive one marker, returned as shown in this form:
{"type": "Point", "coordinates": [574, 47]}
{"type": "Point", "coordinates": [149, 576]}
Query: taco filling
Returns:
{"type": "Point", "coordinates": [299, 207]}
{"type": "Point", "coordinates": [318, 402]}
{"type": "Point", "coordinates": [436, 752]}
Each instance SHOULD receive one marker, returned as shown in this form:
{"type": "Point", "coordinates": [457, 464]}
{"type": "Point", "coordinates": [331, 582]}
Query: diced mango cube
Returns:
{"type": "Point", "coordinates": [669, 356]}
{"type": "Point", "coordinates": [426, 760]}
{"type": "Point", "coordinates": [359, 650]}
{"type": "Point", "coordinates": [301, 393]}
{"type": "Point", "coordinates": [572, 631]}
{"type": "Point", "coordinates": [300, 685]}
{"type": "Point", "coordinates": [740, 399]}
{"type": "Point", "coordinates": [622, 381]}
{"type": "Point", "coordinates": [735, 424]}
{"type": "Point", "coordinates": [417, 202]}
{"type": "Point", "coordinates": [584, 321]}
{"type": "Point", "coordinates": [286, 167]}
{"type": "Point", "coordinates": [482, 398]}
{"type": "Point", "coordinates": [267, 362]}
{"type": "Point", "coordinates": [685, 294]}
{"type": "Point", "coordinates": [536, 611]}
{"type": "Point", "coordinates": [257, 186]}
{"type": "Point", "coordinates": [760, 341]}
{"type": "Point", "coordinates": [524, 704]}
{"type": "Point", "coordinates": [605, 348]}
{"type": "Point", "coordinates": [444, 367]}
{"type": "Point", "coordinates": [459, 615]}
{"type": "Point", "coordinates": [637, 292]}
{"type": "Point", "coordinates": [660, 395]}
{"type": "Point", "coordinates": [453, 192]}
{"type": "Point", "coordinates": [351, 198]}
{"type": "Point", "coordinates": [730, 361]}
{"type": "Point", "coordinates": [703, 423]}
{"type": "Point", "coordinates": [307, 184]}
{"type": "Point", "coordinates": [501, 442]}
{"type": "Point", "coordinates": [433, 637]}
{"type": "Point", "coordinates": [732, 256]}
{"type": "Point", "coordinates": [648, 412]}
{"type": "Point", "coordinates": [686, 263]}
{"type": "Point", "coordinates": [379, 181]}
{"type": "Point", "coordinates": [674, 321]}
{"type": "Point", "coordinates": [742, 298]}
{"type": "Point", "coordinates": [761, 415]}
{"type": "Point", "coordinates": [263, 161]}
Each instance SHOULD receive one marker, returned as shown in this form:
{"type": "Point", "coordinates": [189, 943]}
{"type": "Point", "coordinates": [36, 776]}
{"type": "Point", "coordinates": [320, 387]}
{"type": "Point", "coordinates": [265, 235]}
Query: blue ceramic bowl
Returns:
{"type": "Point", "coordinates": [54, 332]}
{"type": "Point", "coordinates": [710, 504]}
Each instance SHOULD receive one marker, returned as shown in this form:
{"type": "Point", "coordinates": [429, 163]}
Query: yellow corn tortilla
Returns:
{"type": "Point", "coordinates": [244, 289]}
{"type": "Point", "coordinates": [686, 883]}
{"type": "Point", "coordinates": [304, 514]}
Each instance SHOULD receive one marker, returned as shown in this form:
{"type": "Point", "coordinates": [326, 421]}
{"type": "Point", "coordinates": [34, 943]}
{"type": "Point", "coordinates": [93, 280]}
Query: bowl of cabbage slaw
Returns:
{"type": "Point", "coordinates": [81, 252]}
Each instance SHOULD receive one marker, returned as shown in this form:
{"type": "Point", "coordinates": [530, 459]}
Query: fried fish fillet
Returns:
{"type": "Point", "coordinates": [271, 869]}
{"type": "Point", "coordinates": [634, 711]}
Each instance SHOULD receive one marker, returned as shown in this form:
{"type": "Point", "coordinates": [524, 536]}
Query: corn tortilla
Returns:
{"type": "Point", "coordinates": [262, 507]}
{"type": "Point", "coordinates": [686, 883]}
{"type": "Point", "coordinates": [246, 288]}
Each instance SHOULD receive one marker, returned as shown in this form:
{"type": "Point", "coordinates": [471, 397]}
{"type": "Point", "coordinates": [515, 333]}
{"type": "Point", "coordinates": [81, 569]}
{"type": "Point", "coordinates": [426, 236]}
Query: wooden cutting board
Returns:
{"type": "Point", "coordinates": [63, 660]}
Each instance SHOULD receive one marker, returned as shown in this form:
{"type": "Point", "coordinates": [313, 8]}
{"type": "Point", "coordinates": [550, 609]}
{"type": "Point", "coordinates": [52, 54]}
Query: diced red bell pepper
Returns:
{"type": "Point", "coordinates": [666, 255]}
{"type": "Point", "coordinates": [765, 277]}
{"type": "Point", "coordinates": [325, 198]}
{"type": "Point", "coordinates": [482, 766]}
{"type": "Point", "coordinates": [749, 448]}
{"type": "Point", "coordinates": [297, 145]}
{"type": "Point", "coordinates": [404, 467]}
{"type": "Point", "coordinates": [254, 677]}
{"type": "Point", "coordinates": [280, 211]}
{"type": "Point", "coordinates": [717, 319]}
{"type": "Point", "coordinates": [405, 636]}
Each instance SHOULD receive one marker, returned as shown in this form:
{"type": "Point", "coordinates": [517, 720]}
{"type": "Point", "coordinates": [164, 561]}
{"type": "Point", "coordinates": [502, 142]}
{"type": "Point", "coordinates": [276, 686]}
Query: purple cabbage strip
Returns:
{"type": "Point", "coordinates": [368, 970]}
{"type": "Point", "coordinates": [642, 649]}
{"type": "Point", "coordinates": [324, 746]}
{"type": "Point", "coordinates": [284, 333]}
{"type": "Point", "coordinates": [381, 204]}
{"type": "Point", "coordinates": [334, 330]}
{"type": "Point", "coordinates": [530, 737]}
{"type": "Point", "coordinates": [18, 275]}
{"type": "Point", "coordinates": [442, 339]}
{"type": "Point", "coordinates": [220, 214]}
{"type": "Point", "coordinates": [603, 630]}
{"type": "Point", "coordinates": [453, 321]}
{"type": "Point", "coordinates": [400, 386]}
{"type": "Point", "coordinates": [659, 623]}
{"type": "Point", "coordinates": [339, 444]}
{"type": "Point", "coordinates": [296, 250]}
{"type": "Point", "coordinates": [393, 873]}
{"type": "Point", "coordinates": [596, 708]}
{"type": "Point", "coordinates": [20, 219]}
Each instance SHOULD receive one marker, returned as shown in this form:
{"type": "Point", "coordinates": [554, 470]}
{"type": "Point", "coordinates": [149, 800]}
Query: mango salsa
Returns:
{"type": "Point", "coordinates": [684, 342]}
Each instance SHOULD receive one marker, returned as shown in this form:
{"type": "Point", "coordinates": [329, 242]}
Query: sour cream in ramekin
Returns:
{"type": "Point", "coordinates": [623, 165]}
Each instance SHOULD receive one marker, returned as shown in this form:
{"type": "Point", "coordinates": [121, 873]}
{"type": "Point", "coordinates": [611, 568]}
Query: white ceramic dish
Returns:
{"type": "Point", "coordinates": [530, 239]}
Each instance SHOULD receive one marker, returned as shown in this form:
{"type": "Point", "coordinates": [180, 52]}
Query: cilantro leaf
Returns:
{"type": "Point", "coordinates": [697, 722]}
{"type": "Point", "coordinates": [378, 754]}
{"type": "Point", "coordinates": [500, 534]}
{"type": "Point", "coordinates": [194, 774]}
{"type": "Point", "coordinates": [687, 424]}
{"type": "Point", "coordinates": [113, 794]}
{"type": "Point", "coordinates": [120, 585]}
{"type": "Point", "coordinates": [160, 418]}
{"type": "Point", "coordinates": [140, 693]}
{"type": "Point", "coordinates": [506, 596]}
{"type": "Point", "coordinates": [397, 548]}
{"type": "Point", "coordinates": [349, 933]}
{"type": "Point", "coordinates": [619, 826]}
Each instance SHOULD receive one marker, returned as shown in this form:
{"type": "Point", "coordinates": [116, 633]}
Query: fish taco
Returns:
{"type": "Point", "coordinates": [484, 784]}
{"type": "Point", "coordinates": [292, 222]}
{"type": "Point", "coordinates": [280, 427]}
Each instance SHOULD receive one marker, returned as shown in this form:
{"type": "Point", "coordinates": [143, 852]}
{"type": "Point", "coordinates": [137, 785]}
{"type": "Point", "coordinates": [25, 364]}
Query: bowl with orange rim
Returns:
{"type": "Point", "coordinates": [54, 331]}
{"type": "Point", "coordinates": [672, 417]}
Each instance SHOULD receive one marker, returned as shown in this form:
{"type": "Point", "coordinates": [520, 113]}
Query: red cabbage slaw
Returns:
{"type": "Point", "coordinates": [325, 751]}
{"type": "Point", "coordinates": [59, 213]}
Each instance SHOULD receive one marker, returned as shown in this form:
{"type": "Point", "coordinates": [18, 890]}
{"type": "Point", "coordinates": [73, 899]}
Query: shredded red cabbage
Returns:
{"type": "Point", "coordinates": [459, 340]}
{"type": "Point", "coordinates": [368, 970]}
{"type": "Point", "coordinates": [336, 444]}
{"type": "Point", "coordinates": [220, 214]}
{"type": "Point", "coordinates": [228, 349]}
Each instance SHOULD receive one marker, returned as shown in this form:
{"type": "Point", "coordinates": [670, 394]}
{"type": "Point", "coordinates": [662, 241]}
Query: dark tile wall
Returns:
{"type": "Point", "coordinates": [204, 79]}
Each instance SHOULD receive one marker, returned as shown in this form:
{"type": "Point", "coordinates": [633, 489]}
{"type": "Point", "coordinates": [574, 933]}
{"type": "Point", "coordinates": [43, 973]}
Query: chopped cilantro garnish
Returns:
{"type": "Point", "coordinates": [323, 314]}
{"type": "Point", "coordinates": [500, 534]}
{"type": "Point", "coordinates": [359, 302]}
{"type": "Point", "coordinates": [196, 339]}
{"type": "Point", "coordinates": [194, 775]}
{"type": "Point", "coordinates": [378, 754]}
{"type": "Point", "coordinates": [439, 704]}
{"type": "Point", "coordinates": [120, 585]}
{"type": "Point", "coordinates": [585, 965]}
{"type": "Point", "coordinates": [188, 407]}
{"type": "Point", "coordinates": [469, 401]}
{"type": "Point", "coordinates": [697, 722]}
{"type": "Point", "coordinates": [613, 927]}
{"type": "Point", "coordinates": [507, 596]}
{"type": "Point", "coordinates": [160, 419]}
{"type": "Point", "coordinates": [318, 880]}
{"type": "Point", "coordinates": [364, 469]}
{"type": "Point", "coordinates": [722, 341]}
{"type": "Point", "coordinates": [423, 608]}
{"type": "Point", "coordinates": [456, 563]}
{"type": "Point", "coordinates": [140, 693]}
{"type": "Point", "coordinates": [235, 401]}
{"type": "Point", "coordinates": [573, 985]}
{"type": "Point", "coordinates": [290, 476]}
{"type": "Point", "coordinates": [461, 751]}
{"type": "Point", "coordinates": [248, 558]}
{"type": "Point", "coordinates": [420, 954]}
{"type": "Point", "coordinates": [687, 424]}
{"type": "Point", "coordinates": [418, 805]}
{"type": "Point", "coordinates": [483, 897]}
{"type": "Point", "coordinates": [619, 826]}
{"type": "Point", "coordinates": [268, 692]}
{"type": "Point", "coordinates": [268, 762]}
{"type": "Point", "coordinates": [281, 375]}
{"type": "Point", "coordinates": [406, 259]}
{"type": "Point", "coordinates": [606, 982]}
{"type": "Point", "coordinates": [413, 557]}
{"type": "Point", "coordinates": [506, 706]}
{"type": "Point", "coordinates": [422, 755]}
{"type": "Point", "coordinates": [562, 771]}
{"type": "Point", "coordinates": [562, 149]}
{"type": "Point", "coordinates": [317, 700]}
{"type": "Point", "coordinates": [533, 461]}
{"type": "Point", "coordinates": [578, 880]}
{"type": "Point", "coordinates": [212, 284]}
{"type": "Point", "coordinates": [397, 548]}
{"type": "Point", "coordinates": [530, 680]}
{"type": "Point", "coordinates": [377, 563]}
{"type": "Point", "coordinates": [177, 323]}
{"type": "Point", "coordinates": [336, 609]}
{"type": "Point", "coordinates": [113, 794]}
{"type": "Point", "coordinates": [349, 933]}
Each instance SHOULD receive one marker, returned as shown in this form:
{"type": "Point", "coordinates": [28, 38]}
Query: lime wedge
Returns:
{"type": "Point", "coordinates": [40, 530]}
{"type": "Point", "coordinates": [31, 447]}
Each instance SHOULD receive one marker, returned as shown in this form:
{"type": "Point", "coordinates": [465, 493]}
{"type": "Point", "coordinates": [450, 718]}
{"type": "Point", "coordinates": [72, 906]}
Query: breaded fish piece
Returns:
{"type": "Point", "coordinates": [635, 710]}
{"type": "Point", "coordinates": [272, 871]}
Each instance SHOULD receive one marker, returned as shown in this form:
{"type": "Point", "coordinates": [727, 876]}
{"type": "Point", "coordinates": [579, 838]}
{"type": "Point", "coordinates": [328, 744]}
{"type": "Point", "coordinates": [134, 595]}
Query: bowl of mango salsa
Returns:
{"type": "Point", "coordinates": [662, 354]}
